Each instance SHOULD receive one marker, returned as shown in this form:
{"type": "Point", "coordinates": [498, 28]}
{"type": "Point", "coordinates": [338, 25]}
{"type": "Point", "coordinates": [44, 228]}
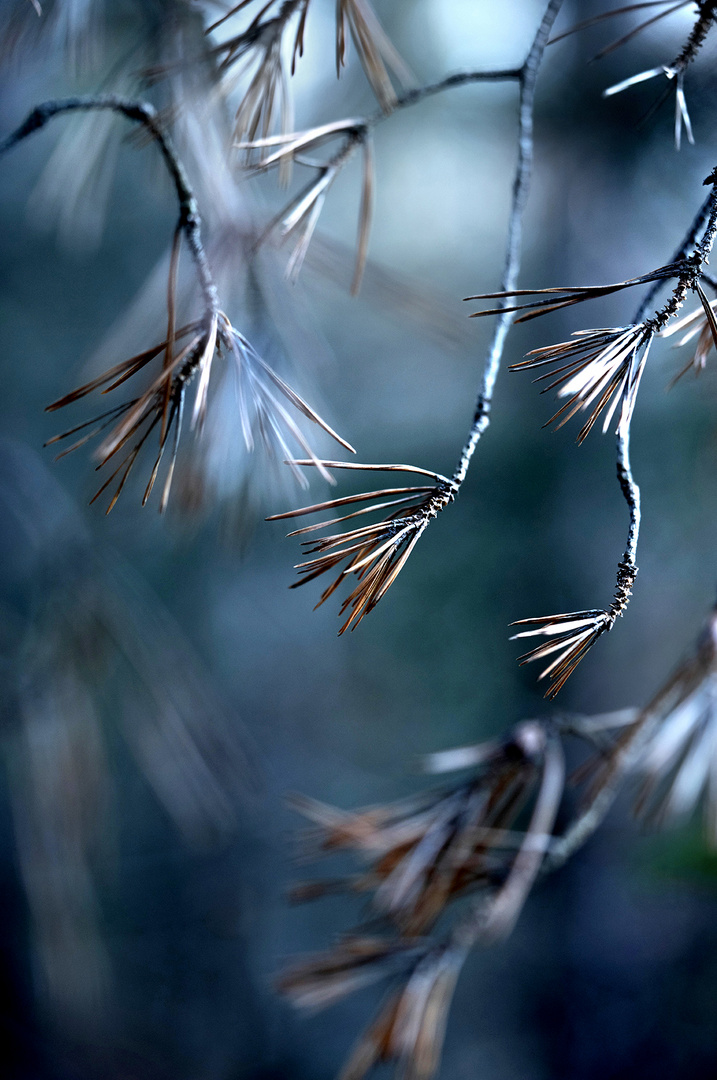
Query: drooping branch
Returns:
{"type": "Point", "coordinates": [601, 369]}
{"type": "Point", "coordinates": [526, 76]}
{"type": "Point", "coordinates": [187, 353]}
{"type": "Point", "coordinates": [706, 218]}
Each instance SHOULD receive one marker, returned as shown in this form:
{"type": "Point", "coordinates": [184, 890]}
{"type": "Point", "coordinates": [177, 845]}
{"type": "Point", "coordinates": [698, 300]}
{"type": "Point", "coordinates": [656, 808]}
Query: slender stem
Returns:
{"type": "Point", "coordinates": [678, 255]}
{"type": "Point", "coordinates": [140, 113]}
{"type": "Point", "coordinates": [627, 567]}
{"type": "Point", "coordinates": [508, 904]}
{"type": "Point", "coordinates": [584, 825]}
{"type": "Point", "coordinates": [705, 19]}
{"type": "Point", "coordinates": [521, 188]}
{"type": "Point", "coordinates": [632, 495]}
{"type": "Point", "coordinates": [461, 78]}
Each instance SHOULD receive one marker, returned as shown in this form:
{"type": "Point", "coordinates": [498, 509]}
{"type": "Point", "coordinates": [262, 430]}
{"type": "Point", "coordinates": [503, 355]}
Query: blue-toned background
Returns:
{"type": "Point", "coordinates": [138, 944]}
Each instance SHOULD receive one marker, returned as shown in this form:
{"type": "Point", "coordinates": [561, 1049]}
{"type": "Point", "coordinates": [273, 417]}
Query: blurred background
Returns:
{"type": "Point", "coordinates": [163, 690]}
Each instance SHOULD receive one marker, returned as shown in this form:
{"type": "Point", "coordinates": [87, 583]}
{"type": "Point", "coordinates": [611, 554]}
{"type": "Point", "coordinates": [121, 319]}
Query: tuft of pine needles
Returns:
{"type": "Point", "coordinates": [299, 217]}
{"type": "Point", "coordinates": [597, 371]}
{"type": "Point", "coordinates": [425, 852]}
{"type": "Point", "coordinates": [188, 355]}
{"type": "Point", "coordinates": [374, 553]}
{"type": "Point", "coordinates": [573, 634]}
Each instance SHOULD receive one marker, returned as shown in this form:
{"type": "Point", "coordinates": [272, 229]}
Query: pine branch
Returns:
{"type": "Point", "coordinates": [526, 77]}
{"type": "Point", "coordinates": [187, 354]}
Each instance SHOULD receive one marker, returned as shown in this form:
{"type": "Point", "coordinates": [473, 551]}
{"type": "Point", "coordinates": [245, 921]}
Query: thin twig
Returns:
{"type": "Point", "coordinates": [595, 811]}
{"type": "Point", "coordinates": [461, 78]}
{"type": "Point", "coordinates": [573, 634]}
{"type": "Point", "coordinates": [521, 187]}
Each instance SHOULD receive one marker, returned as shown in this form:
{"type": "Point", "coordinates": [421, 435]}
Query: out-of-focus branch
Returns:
{"type": "Point", "coordinates": [188, 352]}
{"type": "Point", "coordinates": [142, 113]}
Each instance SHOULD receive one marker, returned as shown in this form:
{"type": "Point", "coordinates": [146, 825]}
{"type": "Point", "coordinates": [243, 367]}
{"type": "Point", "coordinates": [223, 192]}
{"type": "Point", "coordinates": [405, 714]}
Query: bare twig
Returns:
{"type": "Point", "coordinates": [521, 188]}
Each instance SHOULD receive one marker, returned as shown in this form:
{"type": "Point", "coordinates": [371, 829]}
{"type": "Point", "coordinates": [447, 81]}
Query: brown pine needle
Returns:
{"type": "Point", "coordinates": [365, 213]}
{"type": "Point", "coordinates": [305, 408]}
{"type": "Point", "coordinates": [171, 316]}
{"type": "Point", "coordinates": [345, 500]}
